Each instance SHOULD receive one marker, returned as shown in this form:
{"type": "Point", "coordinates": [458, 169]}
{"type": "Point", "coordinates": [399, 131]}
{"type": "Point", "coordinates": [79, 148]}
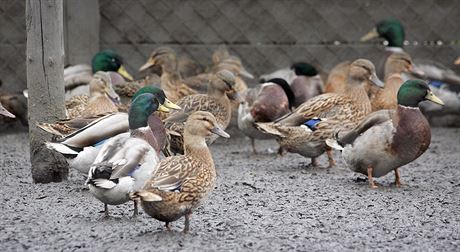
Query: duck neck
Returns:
{"type": "Point", "coordinates": [356, 91]}
{"type": "Point", "coordinates": [146, 134]}
{"type": "Point", "coordinates": [196, 146]}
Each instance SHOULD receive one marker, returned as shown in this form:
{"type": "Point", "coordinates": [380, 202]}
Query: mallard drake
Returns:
{"type": "Point", "coordinates": [215, 101]}
{"type": "Point", "coordinates": [397, 64]}
{"type": "Point", "coordinates": [304, 79]}
{"type": "Point", "coordinates": [171, 81]}
{"type": "Point", "coordinates": [305, 130]}
{"type": "Point", "coordinates": [307, 83]}
{"type": "Point", "coordinates": [82, 146]}
{"type": "Point", "coordinates": [393, 32]}
{"type": "Point", "coordinates": [181, 183]}
{"type": "Point", "coordinates": [388, 139]}
{"type": "Point", "coordinates": [264, 103]}
{"type": "Point", "coordinates": [77, 78]}
{"type": "Point", "coordinates": [102, 98]}
{"type": "Point", "coordinates": [127, 160]}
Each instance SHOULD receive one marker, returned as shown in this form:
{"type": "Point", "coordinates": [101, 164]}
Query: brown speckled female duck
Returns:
{"type": "Point", "coordinates": [215, 101]}
{"type": "Point", "coordinates": [171, 80]}
{"type": "Point", "coordinates": [396, 65]}
{"type": "Point", "coordinates": [305, 130]}
{"type": "Point", "coordinates": [388, 139]}
{"type": "Point", "coordinates": [182, 182]}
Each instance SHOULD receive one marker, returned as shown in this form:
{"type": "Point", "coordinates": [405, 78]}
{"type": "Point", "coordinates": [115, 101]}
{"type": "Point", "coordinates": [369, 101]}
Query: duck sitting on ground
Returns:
{"type": "Point", "coordinates": [305, 130]}
{"type": "Point", "coordinates": [77, 77]}
{"type": "Point", "coordinates": [14, 108]}
{"type": "Point", "coordinates": [215, 101]}
{"type": "Point", "coordinates": [388, 139]}
{"type": "Point", "coordinates": [264, 103]}
{"type": "Point", "coordinates": [102, 98]}
{"type": "Point", "coordinates": [181, 183]}
{"type": "Point", "coordinates": [127, 160]}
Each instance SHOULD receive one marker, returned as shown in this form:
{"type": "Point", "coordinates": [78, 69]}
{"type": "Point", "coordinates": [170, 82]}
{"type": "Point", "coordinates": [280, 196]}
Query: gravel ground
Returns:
{"type": "Point", "coordinates": [260, 203]}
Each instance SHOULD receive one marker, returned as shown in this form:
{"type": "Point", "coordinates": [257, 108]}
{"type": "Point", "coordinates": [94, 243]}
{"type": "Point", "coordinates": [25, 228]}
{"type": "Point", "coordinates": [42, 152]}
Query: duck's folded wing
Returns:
{"type": "Point", "coordinates": [318, 106]}
{"type": "Point", "coordinates": [368, 122]}
{"type": "Point", "coordinates": [125, 155]}
{"type": "Point", "coordinates": [172, 173]}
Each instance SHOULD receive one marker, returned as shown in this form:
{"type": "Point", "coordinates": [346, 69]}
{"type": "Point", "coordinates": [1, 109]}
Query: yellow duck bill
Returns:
{"type": "Point", "coordinates": [433, 98]}
{"type": "Point", "coordinates": [125, 73]}
{"type": "Point", "coordinates": [370, 35]}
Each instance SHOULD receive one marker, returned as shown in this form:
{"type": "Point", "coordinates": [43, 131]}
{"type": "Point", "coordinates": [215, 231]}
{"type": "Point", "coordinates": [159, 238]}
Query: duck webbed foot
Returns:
{"type": "Point", "coordinates": [372, 184]}
{"type": "Point", "coordinates": [398, 182]}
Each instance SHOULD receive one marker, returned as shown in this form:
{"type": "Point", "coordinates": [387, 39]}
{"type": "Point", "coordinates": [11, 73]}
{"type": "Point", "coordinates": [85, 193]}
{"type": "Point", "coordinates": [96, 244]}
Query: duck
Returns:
{"type": "Point", "coordinates": [5, 112]}
{"type": "Point", "coordinates": [388, 139]}
{"type": "Point", "coordinates": [127, 160]}
{"type": "Point", "coordinates": [397, 64]}
{"type": "Point", "coordinates": [392, 31]}
{"type": "Point", "coordinates": [77, 77]}
{"type": "Point", "coordinates": [222, 60]}
{"type": "Point", "coordinates": [82, 145]}
{"type": "Point", "coordinates": [305, 130]}
{"type": "Point", "coordinates": [303, 78]}
{"type": "Point", "coordinates": [264, 103]}
{"type": "Point", "coordinates": [215, 101]}
{"type": "Point", "coordinates": [102, 98]}
{"type": "Point", "coordinates": [337, 78]}
{"type": "Point", "coordinates": [307, 83]}
{"type": "Point", "coordinates": [181, 183]}
{"type": "Point", "coordinates": [13, 107]}
{"type": "Point", "coordinates": [171, 80]}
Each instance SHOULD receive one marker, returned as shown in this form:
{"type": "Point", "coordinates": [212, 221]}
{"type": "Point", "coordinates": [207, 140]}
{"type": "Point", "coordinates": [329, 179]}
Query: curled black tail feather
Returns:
{"type": "Point", "coordinates": [287, 89]}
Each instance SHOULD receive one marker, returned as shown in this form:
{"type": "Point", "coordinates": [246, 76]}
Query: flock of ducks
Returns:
{"type": "Point", "coordinates": [147, 140]}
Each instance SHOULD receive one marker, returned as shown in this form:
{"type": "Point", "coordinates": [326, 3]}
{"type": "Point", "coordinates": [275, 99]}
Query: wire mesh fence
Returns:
{"type": "Point", "coordinates": [265, 34]}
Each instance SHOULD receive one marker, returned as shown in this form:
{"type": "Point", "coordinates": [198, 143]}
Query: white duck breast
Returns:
{"type": "Point", "coordinates": [122, 166]}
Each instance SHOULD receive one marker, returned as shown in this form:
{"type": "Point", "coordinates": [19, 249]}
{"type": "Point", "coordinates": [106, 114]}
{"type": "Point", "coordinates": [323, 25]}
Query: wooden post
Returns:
{"type": "Point", "coordinates": [45, 81]}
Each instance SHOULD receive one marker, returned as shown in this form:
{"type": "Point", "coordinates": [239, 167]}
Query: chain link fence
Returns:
{"type": "Point", "coordinates": [266, 34]}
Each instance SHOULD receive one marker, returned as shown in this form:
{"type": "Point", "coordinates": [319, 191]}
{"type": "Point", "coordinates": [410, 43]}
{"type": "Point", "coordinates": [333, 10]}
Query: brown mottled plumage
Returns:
{"type": "Point", "coordinates": [216, 102]}
{"type": "Point", "coordinates": [171, 81]}
{"type": "Point", "coordinates": [396, 65]}
{"type": "Point", "coordinates": [101, 100]}
{"type": "Point", "coordinates": [334, 111]}
{"type": "Point", "coordinates": [182, 182]}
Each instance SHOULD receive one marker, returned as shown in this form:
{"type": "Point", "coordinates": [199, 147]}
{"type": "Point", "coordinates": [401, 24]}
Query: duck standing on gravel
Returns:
{"type": "Point", "coordinates": [127, 160]}
{"type": "Point", "coordinates": [388, 139]}
{"type": "Point", "coordinates": [180, 183]}
{"type": "Point", "coordinates": [305, 130]}
{"type": "Point", "coordinates": [264, 103]}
